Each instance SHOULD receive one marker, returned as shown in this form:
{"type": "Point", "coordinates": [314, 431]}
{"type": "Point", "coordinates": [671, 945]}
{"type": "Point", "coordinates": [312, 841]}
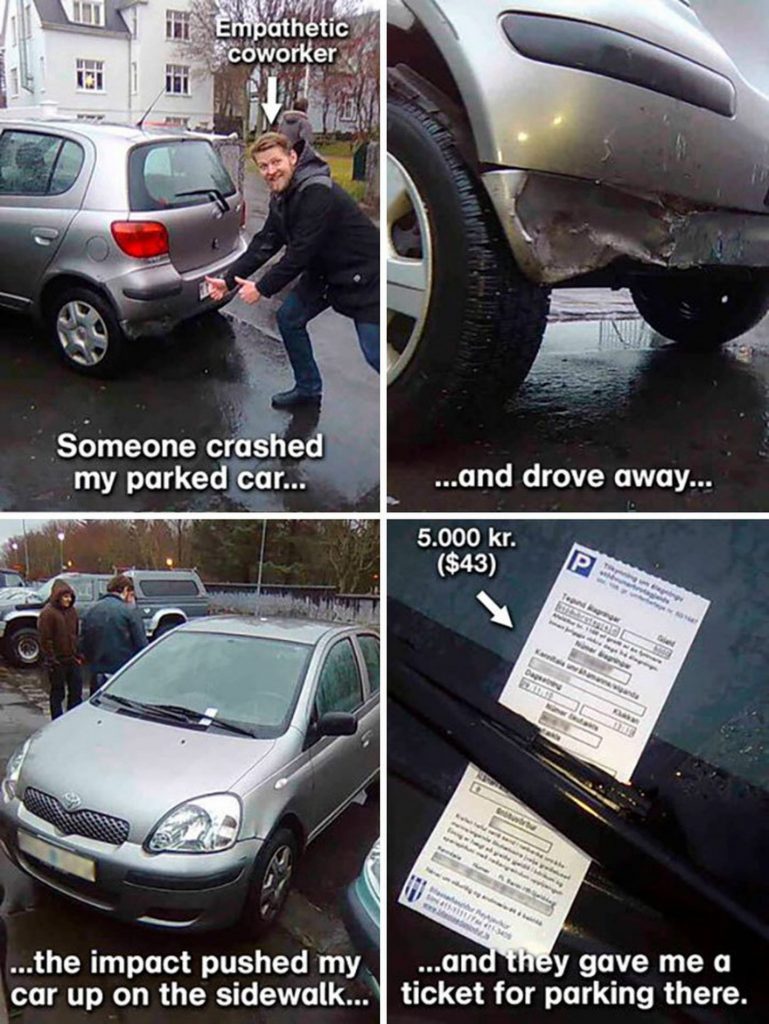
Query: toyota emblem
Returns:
{"type": "Point", "coordinates": [71, 801]}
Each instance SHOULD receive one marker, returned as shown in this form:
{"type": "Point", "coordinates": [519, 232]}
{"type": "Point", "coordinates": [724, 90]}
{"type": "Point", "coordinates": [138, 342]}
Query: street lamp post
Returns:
{"type": "Point", "coordinates": [61, 535]}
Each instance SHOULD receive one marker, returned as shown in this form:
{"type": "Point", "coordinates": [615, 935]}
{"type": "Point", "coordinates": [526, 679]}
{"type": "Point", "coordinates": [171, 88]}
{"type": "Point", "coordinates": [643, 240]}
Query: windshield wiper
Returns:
{"type": "Point", "coordinates": [584, 803]}
{"type": "Point", "coordinates": [183, 714]}
{"type": "Point", "coordinates": [218, 196]}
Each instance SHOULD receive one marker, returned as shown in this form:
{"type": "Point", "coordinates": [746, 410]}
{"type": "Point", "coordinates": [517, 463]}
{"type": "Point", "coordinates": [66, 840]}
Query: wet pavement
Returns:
{"type": "Point", "coordinates": [607, 393]}
{"type": "Point", "coordinates": [212, 378]}
{"type": "Point", "coordinates": [310, 924]}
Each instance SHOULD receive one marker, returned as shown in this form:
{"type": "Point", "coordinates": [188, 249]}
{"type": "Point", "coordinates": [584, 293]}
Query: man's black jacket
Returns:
{"type": "Point", "coordinates": [328, 240]}
{"type": "Point", "coordinates": [111, 633]}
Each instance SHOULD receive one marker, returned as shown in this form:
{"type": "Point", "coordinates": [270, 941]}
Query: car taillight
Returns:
{"type": "Point", "coordinates": [141, 238]}
{"type": "Point", "coordinates": [243, 214]}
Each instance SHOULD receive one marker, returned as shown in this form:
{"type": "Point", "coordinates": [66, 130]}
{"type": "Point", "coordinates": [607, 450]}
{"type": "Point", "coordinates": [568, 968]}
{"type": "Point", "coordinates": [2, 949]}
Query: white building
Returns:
{"type": "Point", "coordinates": [104, 60]}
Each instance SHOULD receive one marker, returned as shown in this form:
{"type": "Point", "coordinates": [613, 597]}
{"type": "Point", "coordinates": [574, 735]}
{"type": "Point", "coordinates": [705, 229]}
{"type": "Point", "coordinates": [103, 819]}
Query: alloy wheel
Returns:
{"type": "Point", "coordinates": [275, 883]}
{"type": "Point", "coordinates": [409, 267]}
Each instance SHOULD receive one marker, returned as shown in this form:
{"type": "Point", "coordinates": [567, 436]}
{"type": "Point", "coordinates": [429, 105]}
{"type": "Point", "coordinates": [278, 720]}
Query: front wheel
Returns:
{"type": "Point", "coordinates": [86, 332]}
{"type": "Point", "coordinates": [464, 324]}
{"type": "Point", "coordinates": [270, 884]}
{"type": "Point", "coordinates": [701, 312]}
{"type": "Point", "coordinates": [22, 647]}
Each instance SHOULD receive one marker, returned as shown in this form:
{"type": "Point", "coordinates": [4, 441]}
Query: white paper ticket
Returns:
{"type": "Point", "coordinates": [602, 658]}
{"type": "Point", "coordinates": [495, 872]}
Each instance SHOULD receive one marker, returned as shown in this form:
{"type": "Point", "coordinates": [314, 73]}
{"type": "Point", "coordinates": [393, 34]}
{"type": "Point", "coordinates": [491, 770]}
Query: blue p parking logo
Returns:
{"type": "Point", "coordinates": [581, 563]}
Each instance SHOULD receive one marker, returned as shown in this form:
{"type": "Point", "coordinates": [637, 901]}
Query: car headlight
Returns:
{"type": "Point", "coordinates": [13, 769]}
{"type": "Point", "coordinates": [371, 869]}
{"type": "Point", "coordinates": [203, 825]}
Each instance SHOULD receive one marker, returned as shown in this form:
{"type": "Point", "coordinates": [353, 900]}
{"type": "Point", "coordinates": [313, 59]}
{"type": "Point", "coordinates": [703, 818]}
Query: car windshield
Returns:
{"type": "Point", "coordinates": [251, 682]}
{"type": "Point", "coordinates": [83, 588]}
{"type": "Point", "coordinates": [165, 175]}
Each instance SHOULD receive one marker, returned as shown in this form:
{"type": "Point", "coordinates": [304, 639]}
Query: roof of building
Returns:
{"type": "Point", "coordinates": [52, 13]}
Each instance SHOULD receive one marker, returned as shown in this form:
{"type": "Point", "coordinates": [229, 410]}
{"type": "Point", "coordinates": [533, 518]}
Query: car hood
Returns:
{"type": "Point", "coordinates": [133, 768]}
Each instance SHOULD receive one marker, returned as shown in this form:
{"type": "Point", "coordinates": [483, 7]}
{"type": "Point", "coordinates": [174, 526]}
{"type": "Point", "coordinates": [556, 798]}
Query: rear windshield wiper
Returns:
{"type": "Point", "coordinates": [218, 196]}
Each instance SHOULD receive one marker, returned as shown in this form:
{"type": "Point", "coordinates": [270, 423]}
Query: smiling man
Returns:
{"type": "Point", "coordinates": [330, 245]}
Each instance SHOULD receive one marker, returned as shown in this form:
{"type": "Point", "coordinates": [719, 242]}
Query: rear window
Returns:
{"type": "Point", "coordinates": [169, 588]}
{"type": "Point", "coordinates": [169, 175]}
{"type": "Point", "coordinates": [38, 164]}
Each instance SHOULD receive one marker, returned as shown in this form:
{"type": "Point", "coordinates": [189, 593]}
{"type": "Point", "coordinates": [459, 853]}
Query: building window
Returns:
{"type": "Point", "coordinates": [87, 13]}
{"type": "Point", "coordinates": [177, 80]}
{"type": "Point", "coordinates": [90, 75]}
{"type": "Point", "coordinates": [177, 122]}
{"type": "Point", "coordinates": [134, 78]}
{"type": "Point", "coordinates": [14, 82]}
{"type": "Point", "coordinates": [177, 25]}
{"type": "Point", "coordinates": [27, 25]}
{"type": "Point", "coordinates": [13, 31]}
{"type": "Point", "coordinates": [347, 110]}
{"type": "Point", "coordinates": [42, 74]}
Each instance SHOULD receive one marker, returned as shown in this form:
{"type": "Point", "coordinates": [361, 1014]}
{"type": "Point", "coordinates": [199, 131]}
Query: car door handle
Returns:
{"type": "Point", "coordinates": [365, 739]}
{"type": "Point", "coordinates": [281, 783]}
{"type": "Point", "coordinates": [44, 236]}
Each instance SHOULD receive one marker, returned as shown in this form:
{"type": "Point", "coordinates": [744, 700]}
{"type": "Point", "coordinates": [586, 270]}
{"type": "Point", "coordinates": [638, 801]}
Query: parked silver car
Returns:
{"type": "Point", "coordinates": [107, 232]}
{"type": "Point", "coordinates": [183, 792]}
{"type": "Point", "coordinates": [561, 144]}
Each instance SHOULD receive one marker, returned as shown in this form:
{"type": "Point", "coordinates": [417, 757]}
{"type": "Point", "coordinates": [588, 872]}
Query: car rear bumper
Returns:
{"type": "Point", "coordinates": [561, 228]}
{"type": "Point", "coordinates": [635, 95]}
{"type": "Point", "coordinates": [151, 300]}
{"type": "Point", "coordinates": [186, 892]}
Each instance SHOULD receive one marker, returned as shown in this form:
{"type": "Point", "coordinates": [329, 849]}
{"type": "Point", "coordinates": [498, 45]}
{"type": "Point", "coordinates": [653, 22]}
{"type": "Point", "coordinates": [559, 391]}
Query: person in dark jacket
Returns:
{"type": "Point", "coordinates": [295, 124]}
{"type": "Point", "coordinates": [330, 245]}
{"type": "Point", "coordinates": [58, 629]}
{"type": "Point", "coordinates": [112, 629]}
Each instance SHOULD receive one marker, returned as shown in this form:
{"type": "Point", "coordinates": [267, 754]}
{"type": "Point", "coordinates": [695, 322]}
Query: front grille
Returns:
{"type": "Point", "coordinates": [90, 824]}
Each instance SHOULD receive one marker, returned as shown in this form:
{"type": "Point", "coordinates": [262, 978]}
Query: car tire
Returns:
{"type": "Point", "coordinates": [86, 333]}
{"type": "Point", "coordinates": [166, 627]}
{"type": "Point", "coordinates": [270, 883]}
{"type": "Point", "coordinates": [480, 323]}
{"type": "Point", "coordinates": [702, 312]}
{"type": "Point", "coordinates": [22, 647]}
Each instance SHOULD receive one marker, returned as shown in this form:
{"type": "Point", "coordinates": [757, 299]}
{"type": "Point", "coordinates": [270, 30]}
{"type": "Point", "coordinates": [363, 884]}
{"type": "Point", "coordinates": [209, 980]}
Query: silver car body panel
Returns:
{"type": "Point", "coordinates": [684, 185]}
{"type": "Point", "coordinates": [150, 296]}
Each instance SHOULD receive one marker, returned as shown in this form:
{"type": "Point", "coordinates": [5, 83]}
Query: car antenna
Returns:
{"type": "Point", "coordinates": [146, 114]}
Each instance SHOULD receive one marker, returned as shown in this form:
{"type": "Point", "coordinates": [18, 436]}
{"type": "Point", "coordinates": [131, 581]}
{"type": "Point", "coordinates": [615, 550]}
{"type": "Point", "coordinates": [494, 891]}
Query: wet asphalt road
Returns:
{"type": "Point", "coordinates": [38, 919]}
{"type": "Point", "coordinates": [611, 394]}
{"type": "Point", "coordinates": [212, 378]}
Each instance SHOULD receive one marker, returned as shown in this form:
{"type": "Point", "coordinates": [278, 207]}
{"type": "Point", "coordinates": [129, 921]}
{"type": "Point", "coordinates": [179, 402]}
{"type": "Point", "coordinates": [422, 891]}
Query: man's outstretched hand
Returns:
{"type": "Point", "coordinates": [248, 291]}
{"type": "Point", "coordinates": [217, 287]}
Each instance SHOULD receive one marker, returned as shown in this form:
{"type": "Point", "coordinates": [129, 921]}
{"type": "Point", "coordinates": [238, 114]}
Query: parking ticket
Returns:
{"type": "Point", "coordinates": [602, 658]}
{"type": "Point", "coordinates": [494, 871]}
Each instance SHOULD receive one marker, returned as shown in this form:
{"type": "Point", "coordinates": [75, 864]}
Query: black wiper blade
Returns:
{"type": "Point", "coordinates": [176, 711]}
{"type": "Point", "coordinates": [219, 196]}
{"type": "Point", "coordinates": [608, 834]}
{"type": "Point", "coordinates": [225, 723]}
{"type": "Point", "coordinates": [179, 712]}
{"type": "Point", "coordinates": [132, 705]}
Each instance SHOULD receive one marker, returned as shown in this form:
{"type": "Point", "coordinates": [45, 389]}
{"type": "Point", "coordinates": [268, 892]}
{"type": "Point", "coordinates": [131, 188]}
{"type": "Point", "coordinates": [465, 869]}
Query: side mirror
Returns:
{"type": "Point", "coordinates": [337, 723]}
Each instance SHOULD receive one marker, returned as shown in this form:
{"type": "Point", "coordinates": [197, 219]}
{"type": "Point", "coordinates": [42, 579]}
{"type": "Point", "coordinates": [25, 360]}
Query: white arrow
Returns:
{"type": "Point", "coordinates": [272, 107]}
{"type": "Point", "coordinates": [499, 613]}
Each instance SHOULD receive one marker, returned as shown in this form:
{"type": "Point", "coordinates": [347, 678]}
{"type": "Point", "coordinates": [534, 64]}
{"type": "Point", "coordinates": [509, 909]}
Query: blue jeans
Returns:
{"type": "Point", "coordinates": [293, 317]}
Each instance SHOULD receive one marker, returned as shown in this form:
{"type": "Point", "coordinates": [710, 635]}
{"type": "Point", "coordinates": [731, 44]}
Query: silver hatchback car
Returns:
{"type": "Point", "coordinates": [181, 794]}
{"type": "Point", "coordinates": [107, 232]}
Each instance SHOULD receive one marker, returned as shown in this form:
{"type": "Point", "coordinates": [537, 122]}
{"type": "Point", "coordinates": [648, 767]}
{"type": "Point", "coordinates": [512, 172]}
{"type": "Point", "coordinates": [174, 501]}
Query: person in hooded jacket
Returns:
{"type": "Point", "coordinates": [330, 245]}
{"type": "Point", "coordinates": [295, 124]}
{"type": "Point", "coordinates": [58, 629]}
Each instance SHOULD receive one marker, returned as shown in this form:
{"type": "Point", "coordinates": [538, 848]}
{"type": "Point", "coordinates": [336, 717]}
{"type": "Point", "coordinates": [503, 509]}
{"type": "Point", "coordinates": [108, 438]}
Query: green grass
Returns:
{"type": "Point", "coordinates": [339, 157]}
